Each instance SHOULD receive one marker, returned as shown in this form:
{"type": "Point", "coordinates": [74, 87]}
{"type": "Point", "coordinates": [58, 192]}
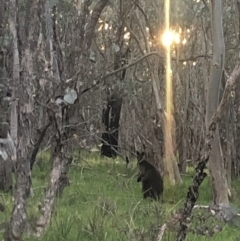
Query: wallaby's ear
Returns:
{"type": "Point", "coordinates": [127, 160]}
{"type": "Point", "coordinates": [139, 178]}
{"type": "Point", "coordinates": [140, 156]}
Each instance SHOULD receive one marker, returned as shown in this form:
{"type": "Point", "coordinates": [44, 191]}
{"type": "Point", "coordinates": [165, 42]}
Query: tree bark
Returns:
{"type": "Point", "coordinates": [54, 70]}
{"type": "Point", "coordinates": [7, 156]}
{"type": "Point", "coordinates": [236, 165]}
{"type": "Point", "coordinates": [16, 67]}
{"type": "Point", "coordinates": [25, 110]}
{"type": "Point", "coordinates": [58, 176]}
{"type": "Point", "coordinates": [219, 181]}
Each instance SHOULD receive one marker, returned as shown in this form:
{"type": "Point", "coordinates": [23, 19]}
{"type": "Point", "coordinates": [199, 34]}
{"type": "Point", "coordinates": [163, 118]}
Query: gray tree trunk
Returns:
{"type": "Point", "coordinates": [24, 92]}
{"type": "Point", "coordinates": [219, 181]}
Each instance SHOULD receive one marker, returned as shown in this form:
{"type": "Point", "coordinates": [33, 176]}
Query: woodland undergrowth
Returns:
{"type": "Point", "coordinates": [104, 202]}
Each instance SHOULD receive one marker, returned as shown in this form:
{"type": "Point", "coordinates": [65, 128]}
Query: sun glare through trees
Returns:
{"type": "Point", "coordinates": [168, 38]}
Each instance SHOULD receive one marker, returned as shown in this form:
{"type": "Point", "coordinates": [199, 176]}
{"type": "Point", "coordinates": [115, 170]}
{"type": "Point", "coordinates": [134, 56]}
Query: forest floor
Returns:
{"type": "Point", "coordinates": [104, 203]}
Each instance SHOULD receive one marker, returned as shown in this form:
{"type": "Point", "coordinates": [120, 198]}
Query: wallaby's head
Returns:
{"type": "Point", "coordinates": [140, 156]}
{"type": "Point", "coordinates": [142, 168]}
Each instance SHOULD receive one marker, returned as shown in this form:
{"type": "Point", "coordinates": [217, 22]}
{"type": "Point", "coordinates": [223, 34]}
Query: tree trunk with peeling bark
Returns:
{"type": "Point", "coordinates": [219, 181]}
{"type": "Point", "coordinates": [58, 176]}
{"type": "Point", "coordinates": [25, 112]}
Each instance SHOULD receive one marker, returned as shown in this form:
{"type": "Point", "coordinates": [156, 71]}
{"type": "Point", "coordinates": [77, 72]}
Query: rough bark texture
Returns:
{"type": "Point", "coordinates": [13, 18]}
{"type": "Point", "coordinates": [25, 111]}
{"type": "Point", "coordinates": [236, 165]}
{"type": "Point", "coordinates": [58, 176]}
{"type": "Point", "coordinates": [7, 155]}
{"type": "Point", "coordinates": [219, 181]}
{"type": "Point", "coordinates": [5, 174]}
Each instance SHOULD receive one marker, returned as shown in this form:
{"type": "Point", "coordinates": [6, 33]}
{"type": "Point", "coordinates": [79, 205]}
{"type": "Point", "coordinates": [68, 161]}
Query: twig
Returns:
{"type": "Point", "coordinates": [161, 232]}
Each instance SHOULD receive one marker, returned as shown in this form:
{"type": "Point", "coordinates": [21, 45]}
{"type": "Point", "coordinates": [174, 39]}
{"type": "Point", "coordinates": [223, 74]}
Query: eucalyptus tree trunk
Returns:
{"type": "Point", "coordinates": [5, 162]}
{"type": "Point", "coordinates": [24, 108]}
{"type": "Point", "coordinates": [13, 19]}
{"type": "Point", "coordinates": [58, 174]}
{"type": "Point", "coordinates": [54, 70]}
{"type": "Point", "coordinates": [2, 27]}
{"type": "Point", "coordinates": [236, 164]}
{"type": "Point", "coordinates": [219, 181]}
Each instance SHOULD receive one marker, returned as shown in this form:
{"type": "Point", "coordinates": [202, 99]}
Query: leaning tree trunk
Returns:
{"type": "Point", "coordinates": [219, 181]}
{"type": "Point", "coordinates": [58, 176]}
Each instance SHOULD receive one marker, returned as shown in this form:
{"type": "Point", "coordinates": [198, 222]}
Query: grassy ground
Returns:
{"type": "Point", "coordinates": [104, 202]}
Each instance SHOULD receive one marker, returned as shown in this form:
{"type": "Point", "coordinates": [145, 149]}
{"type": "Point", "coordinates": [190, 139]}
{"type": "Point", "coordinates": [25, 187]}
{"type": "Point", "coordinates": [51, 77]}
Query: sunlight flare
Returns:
{"type": "Point", "coordinates": [169, 37]}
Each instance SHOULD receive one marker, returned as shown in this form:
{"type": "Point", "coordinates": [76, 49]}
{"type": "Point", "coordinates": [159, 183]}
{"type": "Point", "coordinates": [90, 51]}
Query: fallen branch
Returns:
{"type": "Point", "coordinates": [37, 145]}
{"type": "Point", "coordinates": [161, 232]}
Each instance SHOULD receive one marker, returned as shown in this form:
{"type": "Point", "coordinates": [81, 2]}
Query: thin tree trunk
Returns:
{"type": "Point", "coordinates": [219, 181]}
{"type": "Point", "coordinates": [237, 133]}
{"type": "Point", "coordinates": [16, 68]}
{"type": "Point", "coordinates": [54, 70]}
{"type": "Point", "coordinates": [25, 109]}
{"type": "Point", "coordinates": [58, 176]}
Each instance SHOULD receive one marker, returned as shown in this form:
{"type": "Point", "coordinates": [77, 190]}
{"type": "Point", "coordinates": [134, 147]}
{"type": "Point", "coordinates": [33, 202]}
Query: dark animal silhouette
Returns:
{"type": "Point", "coordinates": [152, 182]}
{"type": "Point", "coordinates": [127, 160]}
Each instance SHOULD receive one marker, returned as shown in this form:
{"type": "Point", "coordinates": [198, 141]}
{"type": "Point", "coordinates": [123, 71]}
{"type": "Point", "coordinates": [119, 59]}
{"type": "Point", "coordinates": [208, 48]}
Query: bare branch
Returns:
{"type": "Point", "coordinates": [90, 28]}
{"type": "Point", "coordinates": [37, 145]}
{"type": "Point", "coordinates": [120, 69]}
{"type": "Point", "coordinates": [161, 232]}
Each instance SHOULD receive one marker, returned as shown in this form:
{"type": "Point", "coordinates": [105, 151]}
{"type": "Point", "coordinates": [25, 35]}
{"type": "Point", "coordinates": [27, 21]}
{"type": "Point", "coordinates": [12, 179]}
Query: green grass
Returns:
{"type": "Point", "coordinates": [104, 202]}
